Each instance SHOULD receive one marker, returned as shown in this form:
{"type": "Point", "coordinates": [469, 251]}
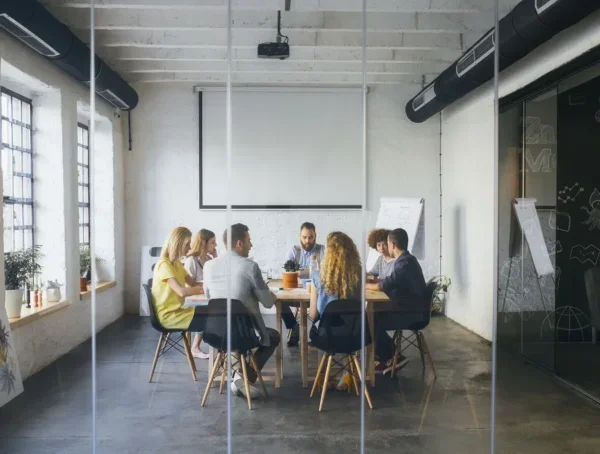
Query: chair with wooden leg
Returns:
{"type": "Point", "coordinates": [340, 333]}
{"type": "Point", "coordinates": [169, 339]}
{"type": "Point", "coordinates": [243, 341]}
{"type": "Point", "coordinates": [413, 325]}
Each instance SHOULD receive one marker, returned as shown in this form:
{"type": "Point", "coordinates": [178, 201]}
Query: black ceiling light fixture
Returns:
{"type": "Point", "coordinates": [281, 48]}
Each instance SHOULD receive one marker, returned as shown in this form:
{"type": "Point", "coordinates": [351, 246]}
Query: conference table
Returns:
{"type": "Point", "coordinates": [300, 298]}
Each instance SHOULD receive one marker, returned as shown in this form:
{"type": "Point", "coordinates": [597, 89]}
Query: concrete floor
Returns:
{"type": "Point", "coordinates": [413, 413]}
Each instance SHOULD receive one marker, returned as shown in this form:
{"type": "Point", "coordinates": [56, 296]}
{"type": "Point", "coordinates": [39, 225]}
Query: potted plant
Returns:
{"type": "Point", "coordinates": [21, 268]}
{"type": "Point", "coordinates": [290, 274]}
{"type": "Point", "coordinates": [52, 291]}
{"type": "Point", "coordinates": [85, 267]}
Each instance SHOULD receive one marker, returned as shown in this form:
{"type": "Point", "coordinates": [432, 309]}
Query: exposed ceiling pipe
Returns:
{"type": "Point", "coordinates": [527, 26]}
{"type": "Point", "coordinates": [32, 24]}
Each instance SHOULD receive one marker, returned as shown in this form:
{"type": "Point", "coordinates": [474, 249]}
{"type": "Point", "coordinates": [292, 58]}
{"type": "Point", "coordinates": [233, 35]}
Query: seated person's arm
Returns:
{"type": "Point", "coordinates": [183, 291]}
{"type": "Point", "coordinates": [261, 289]}
{"type": "Point", "coordinates": [191, 282]}
{"type": "Point", "coordinates": [387, 285]}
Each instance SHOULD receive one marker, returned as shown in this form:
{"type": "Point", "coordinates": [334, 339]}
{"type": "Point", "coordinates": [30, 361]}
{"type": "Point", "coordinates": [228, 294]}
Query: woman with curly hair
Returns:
{"type": "Point", "coordinates": [339, 277]}
{"type": "Point", "coordinates": [385, 262]}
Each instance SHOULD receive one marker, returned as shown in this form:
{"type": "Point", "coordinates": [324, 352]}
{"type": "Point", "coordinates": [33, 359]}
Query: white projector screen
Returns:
{"type": "Point", "coordinates": [291, 148]}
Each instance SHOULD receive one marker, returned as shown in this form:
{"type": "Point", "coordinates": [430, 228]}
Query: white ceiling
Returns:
{"type": "Point", "coordinates": [186, 40]}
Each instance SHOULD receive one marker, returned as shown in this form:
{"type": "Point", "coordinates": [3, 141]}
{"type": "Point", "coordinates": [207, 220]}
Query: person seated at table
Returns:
{"type": "Point", "coordinates": [385, 262]}
{"type": "Point", "coordinates": [405, 286]}
{"type": "Point", "coordinates": [338, 278]}
{"type": "Point", "coordinates": [169, 285]}
{"type": "Point", "coordinates": [302, 254]}
{"type": "Point", "coordinates": [204, 248]}
{"type": "Point", "coordinates": [234, 275]}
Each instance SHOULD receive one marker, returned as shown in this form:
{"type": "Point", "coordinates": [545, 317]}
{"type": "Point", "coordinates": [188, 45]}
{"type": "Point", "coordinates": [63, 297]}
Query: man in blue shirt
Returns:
{"type": "Point", "coordinates": [301, 254]}
{"type": "Point", "coordinates": [405, 287]}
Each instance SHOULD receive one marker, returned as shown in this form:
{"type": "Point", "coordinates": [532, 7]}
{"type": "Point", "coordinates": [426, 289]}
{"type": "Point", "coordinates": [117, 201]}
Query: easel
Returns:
{"type": "Point", "coordinates": [511, 253]}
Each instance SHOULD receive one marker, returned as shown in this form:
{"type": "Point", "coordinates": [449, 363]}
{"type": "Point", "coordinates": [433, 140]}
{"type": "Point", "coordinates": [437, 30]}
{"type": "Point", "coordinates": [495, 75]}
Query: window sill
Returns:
{"type": "Point", "coordinates": [101, 287]}
{"type": "Point", "coordinates": [35, 313]}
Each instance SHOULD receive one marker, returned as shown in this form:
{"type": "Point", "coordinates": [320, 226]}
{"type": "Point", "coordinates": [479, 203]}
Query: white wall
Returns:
{"type": "Point", "coordinates": [57, 101]}
{"type": "Point", "coordinates": [162, 178]}
{"type": "Point", "coordinates": [468, 177]}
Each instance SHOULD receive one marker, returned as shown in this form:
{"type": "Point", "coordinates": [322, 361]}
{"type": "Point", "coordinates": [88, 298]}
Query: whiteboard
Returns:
{"type": "Point", "coordinates": [405, 213]}
{"type": "Point", "coordinates": [530, 225]}
{"type": "Point", "coordinates": [290, 147]}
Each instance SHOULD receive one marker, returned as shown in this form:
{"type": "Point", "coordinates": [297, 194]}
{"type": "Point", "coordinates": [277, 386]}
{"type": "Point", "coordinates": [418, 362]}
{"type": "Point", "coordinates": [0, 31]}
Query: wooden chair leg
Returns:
{"type": "Point", "coordinates": [352, 374]}
{"type": "Point", "coordinates": [224, 374]}
{"type": "Point", "coordinates": [325, 382]}
{"type": "Point", "coordinates": [428, 353]}
{"type": "Point", "coordinates": [318, 376]}
{"type": "Point", "coordinates": [159, 348]}
{"type": "Point", "coordinates": [188, 354]}
{"type": "Point", "coordinates": [367, 395]}
{"type": "Point", "coordinates": [215, 369]}
{"type": "Point", "coordinates": [420, 344]}
{"type": "Point", "coordinates": [396, 353]}
{"type": "Point", "coordinates": [258, 374]}
{"type": "Point", "coordinates": [246, 384]}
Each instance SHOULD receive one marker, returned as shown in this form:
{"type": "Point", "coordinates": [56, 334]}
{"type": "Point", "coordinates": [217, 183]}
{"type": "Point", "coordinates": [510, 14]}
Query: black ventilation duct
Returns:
{"type": "Point", "coordinates": [527, 26]}
{"type": "Point", "coordinates": [32, 24]}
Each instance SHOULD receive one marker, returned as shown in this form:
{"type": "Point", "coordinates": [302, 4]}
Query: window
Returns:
{"type": "Point", "coordinates": [17, 169]}
{"type": "Point", "coordinates": [83, 183]}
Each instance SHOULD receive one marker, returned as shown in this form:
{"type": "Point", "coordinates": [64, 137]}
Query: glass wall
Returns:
{"type": "Point", "coordinates": [548, 302]}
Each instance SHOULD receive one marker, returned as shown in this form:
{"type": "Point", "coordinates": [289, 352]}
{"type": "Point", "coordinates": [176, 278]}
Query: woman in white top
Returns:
{"type": "Point", "coordinates": [203, 249]}
{"type": "Point", "coordinates": [385, 262]}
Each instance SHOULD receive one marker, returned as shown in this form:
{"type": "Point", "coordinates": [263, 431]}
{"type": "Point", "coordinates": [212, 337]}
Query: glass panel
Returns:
{"type": "Point", "coordinates": [577, 316]}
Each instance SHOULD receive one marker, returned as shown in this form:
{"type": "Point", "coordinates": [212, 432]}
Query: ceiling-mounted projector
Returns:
{"type": "Point", "coordinates": [279, 49]}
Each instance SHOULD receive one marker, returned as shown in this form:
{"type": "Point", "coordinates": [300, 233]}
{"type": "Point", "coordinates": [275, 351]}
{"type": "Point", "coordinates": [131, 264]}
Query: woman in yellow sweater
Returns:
{"type": "Point", "coordinates": [169, 285]}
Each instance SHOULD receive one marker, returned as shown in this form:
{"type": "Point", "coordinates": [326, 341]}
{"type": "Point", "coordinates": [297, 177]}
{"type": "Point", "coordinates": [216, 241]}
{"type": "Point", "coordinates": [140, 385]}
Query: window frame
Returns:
{"type": "Point", "coordinates": [10, 200]}
{"type": "Point", "coordinates": [80, 204]}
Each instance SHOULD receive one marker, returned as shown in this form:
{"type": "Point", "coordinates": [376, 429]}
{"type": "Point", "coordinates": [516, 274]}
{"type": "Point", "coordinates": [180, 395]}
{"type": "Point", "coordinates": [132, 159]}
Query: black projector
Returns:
{"type": "Point", "coordinates": [274, 50]}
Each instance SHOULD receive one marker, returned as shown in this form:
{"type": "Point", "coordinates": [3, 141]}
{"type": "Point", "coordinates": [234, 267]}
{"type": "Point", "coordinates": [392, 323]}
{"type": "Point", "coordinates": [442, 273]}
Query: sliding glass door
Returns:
{"type": "Point", "coordinates": [546, 149]}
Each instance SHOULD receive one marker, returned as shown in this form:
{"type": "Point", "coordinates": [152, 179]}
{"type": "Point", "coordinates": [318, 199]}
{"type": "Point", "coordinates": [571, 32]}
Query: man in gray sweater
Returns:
{"type": "Point", "coordinates": [234, 275]}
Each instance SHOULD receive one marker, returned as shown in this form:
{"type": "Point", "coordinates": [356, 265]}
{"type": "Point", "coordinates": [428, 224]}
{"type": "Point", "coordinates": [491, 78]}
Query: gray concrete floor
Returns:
{"type": "Point", "coordinates": [413, 413]}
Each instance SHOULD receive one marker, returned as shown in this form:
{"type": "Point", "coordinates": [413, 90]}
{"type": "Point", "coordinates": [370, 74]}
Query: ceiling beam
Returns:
{"type": "Point", "coordinates": [179, 19]}
{"type": "Point", "coordinates": [449, 6]}
{"type": "Point", "coordinates": [298, 53]}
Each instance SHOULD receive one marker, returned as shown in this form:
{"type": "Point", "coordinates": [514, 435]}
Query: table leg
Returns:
{"type": "Point", "coordinates": [304, 343]}
{"type": "Point", "coordinates": [370, 369]}
{"type": "Point", "coordinates": [279, 350]}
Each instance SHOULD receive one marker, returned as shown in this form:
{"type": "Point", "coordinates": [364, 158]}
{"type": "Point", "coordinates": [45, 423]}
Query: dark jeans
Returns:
{"type": "Point", "coordinates": [199, 321]}
{"type": "Point", "coordinates": [262, 354]}
{"type": "Point", "coordinates": [288, 317]}
{"type": "Point", "coordinates": [391, 321]}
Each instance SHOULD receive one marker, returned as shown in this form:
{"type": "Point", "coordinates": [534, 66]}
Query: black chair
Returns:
{"type": "Point", "coordinates": [414, 323]}
{"type": "Point", "coordinates": [339, 332]}
{"type": "Point", "coordinates": [243, 341]}
{"type": "Point", "coordinates": [165, 342]}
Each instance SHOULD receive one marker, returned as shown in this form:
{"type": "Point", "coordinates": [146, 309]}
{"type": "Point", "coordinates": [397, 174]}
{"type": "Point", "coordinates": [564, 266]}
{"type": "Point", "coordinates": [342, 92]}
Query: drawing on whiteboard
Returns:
{"type": "Point", "coordinates": [597, 116]}
{"type": "Point", "coordinates": [553, 247]}
{"type": "Point", "coordinates": [594, 214]}
{"type": "Point", "coordinates": [538, 133]}
{"type": "Point", "coordinates": [550, 282]}
{"type": "Point", "coordinates": [583, 254]}
{"type": "Point", "coordinates": [568, 319]}
{"type": "Point", "coordinates": [544, 161]}
{"type": "Point", "coordinates": [560, 221]}
{"type": "Point", "coordinates": [570, 193]}
{"type": "Point", "coordinates": [511, 267]}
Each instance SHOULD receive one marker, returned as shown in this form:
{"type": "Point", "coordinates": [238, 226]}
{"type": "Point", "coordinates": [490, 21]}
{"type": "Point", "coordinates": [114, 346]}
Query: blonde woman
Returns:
{"type": "Point", "coordinates": [169, 285]}
{"type": "Point", "coordinates": [204, 248]}
{"type": "Point", "coordinates": [385, 262]}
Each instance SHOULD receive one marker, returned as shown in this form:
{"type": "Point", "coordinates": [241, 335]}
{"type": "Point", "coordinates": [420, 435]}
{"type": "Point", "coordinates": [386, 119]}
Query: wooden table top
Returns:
{"type": "Point", "coordinates": [297, 294]}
